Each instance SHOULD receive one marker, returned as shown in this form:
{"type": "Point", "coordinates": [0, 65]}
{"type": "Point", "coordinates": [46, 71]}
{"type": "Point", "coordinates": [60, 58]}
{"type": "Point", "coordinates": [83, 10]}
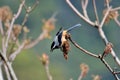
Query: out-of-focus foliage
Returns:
{"type": "Point", "coordinates": [27, 65]}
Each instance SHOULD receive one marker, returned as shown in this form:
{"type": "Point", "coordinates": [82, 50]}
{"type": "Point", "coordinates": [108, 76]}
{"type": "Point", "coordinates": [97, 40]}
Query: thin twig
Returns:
{"type": "Point", "coordinates": [80, 76]}
{"type": "Point", "coordinates": [35, 5]}
{"type": "Point", "coordinates": [42, 35]}
{"type": "Point", "coordinates": [25, 19]}
{"type": "Point", "coordinates": [7, 72]}
{"type": "Point", "coordinates": [102, 35]}
{"type": "Point", "coordinates": [108, 67]}
{"type": "Point", "coordinates": [36, 41]}
{"type": "Point", "coordinates": [95, 11]}
{"type": "Point", "coordinates": [84, 70]}
{"type": "Point", "coordinates": [115, 9]}
{"type": "Point", "coordinates": [101, 32]}
{"type": "Point", "coordinates": [117, 21]}
{"type": "Point", "coordinates": [115, 57]}
{"type": "Point", "coordinates": [5, 44]}
{"type": "Point", "coordinates": [84, 6]}
{"type": "Point", "coordinates": [48, 72]}
{"type": "Point", "coordinates": [28, 11]}
{"type": "Point", "coordinates": [82, 49]}
{"type": "Point", "coordinates": [117, 72]}
{"type": "Point", "coordinates": [1, 28]}
{"type": "Point", "coordinates": [8, 67]}
{"type": "Point", "coordinates": [79, 14]}
{"type": "Point", "coordinates": [12, 22]}
{"type": "Point", "coordinates": [1, 73]}
{"type": "Point", "coordinates": [105, 16]}
{"type": "Point", "coordinates": [14, 54]}
{"type": "Point", "coordinates": [45, 61]}
{"type": "Point", "coordinates": [107, 3]}
{"type": "Point", "coordinates": [11, 71]}
{"type": "Point", "coordinates": [96, 56]}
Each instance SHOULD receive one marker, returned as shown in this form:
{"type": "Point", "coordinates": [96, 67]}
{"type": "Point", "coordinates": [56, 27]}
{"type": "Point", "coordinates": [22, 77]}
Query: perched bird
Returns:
{"type": "Point", "coordinates": [59, 39]}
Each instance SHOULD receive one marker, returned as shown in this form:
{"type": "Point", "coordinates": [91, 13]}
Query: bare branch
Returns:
{"type": "Point", "coordinates": [95, 11]}
{"type": "Point", "coordinates": [82, 49]}
{"type": "Point", "coordinates": [108, 67]}
{"type": "Point", "coordinates": [45, 61]}
{"type": "Point", "coordinates": [13, 55]}
{"type": "Point", "coordinates": [117, 72]}
{"type": "Point", "coordinates": [84, 70]}
{"type": "Point", "coordinates": [8, 67]}
{"type": "Point", "coordinates": [84, 6]}
{"type": "Point", "coordinates": [115, 57]}
{"type": "Point", "coordinates": [79, 14]}
{"type": "Point", "coordinates": [35, 5]}
{"type": "Point", "coordinates": [7, 72]}
{"type": "Point", "coordinates": [107, 3]}
{"type": "Point", "coordinates": [47, 28]}
{"type": "Point", "coordinates": [96, 56]}
{"type": "Point", "coordinates": [12, 22]}
{"type": "Point", "coordinates": [11, 71]}
{"type": "Point", "coordinates": [1, 28]}
{"type": "Point", "coordinates": [117, 21]}
{"type": "Point", "coordinates": [36, 41]}
{"type": "Point", "coordinates": [1, 73]}
{"type": "Point", "coordinates": [28, 11]}
{"type": "Point", "coordinates": [48, 72]}
{"type": "Point", "coordinates": [7, 64]}
{"type": "Point", "coordinates": [101, 32]}
{"type": "Point", "coordinates": [80, 76]}
{"type": "Point", "coordinates": [105, 16]}
{"type": "Point", "coordinates": [102, 35]}
{"type": "Point", "coordinates": [116, 9]}
{"type": "Point", "coordinates": [107, 49]}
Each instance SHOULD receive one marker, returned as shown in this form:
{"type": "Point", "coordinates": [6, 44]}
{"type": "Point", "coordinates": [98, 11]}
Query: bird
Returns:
{"type": "Point", "coordinates": [60, 37]}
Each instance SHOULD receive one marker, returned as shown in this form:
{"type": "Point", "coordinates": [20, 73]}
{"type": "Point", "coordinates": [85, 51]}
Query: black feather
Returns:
{"type": "Point", "coordinates": [59, 38]}
{"type": "Point", "coordinates": [59, 31]}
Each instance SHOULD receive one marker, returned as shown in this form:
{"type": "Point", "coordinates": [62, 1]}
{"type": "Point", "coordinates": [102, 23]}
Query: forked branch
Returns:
{"type": "Point", "coordinates": [99, 27]}
{"type": "Point", "coordinates": [96, 56]}
{"type": "Point", "coordinates": [80, 15]}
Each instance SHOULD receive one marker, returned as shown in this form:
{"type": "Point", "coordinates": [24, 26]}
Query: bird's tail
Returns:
{"type": "Point", "coordinates": [75, 26]}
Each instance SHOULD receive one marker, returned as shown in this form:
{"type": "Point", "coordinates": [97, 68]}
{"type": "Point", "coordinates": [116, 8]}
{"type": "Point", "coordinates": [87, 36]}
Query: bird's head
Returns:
{"type": "Point", "coordinates": [54, 46]}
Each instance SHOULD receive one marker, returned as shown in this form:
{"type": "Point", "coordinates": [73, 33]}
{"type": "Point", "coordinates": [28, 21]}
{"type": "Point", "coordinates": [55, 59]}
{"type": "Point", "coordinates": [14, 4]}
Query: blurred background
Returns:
{"type": "Point", "coordinates": [27, 65]}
